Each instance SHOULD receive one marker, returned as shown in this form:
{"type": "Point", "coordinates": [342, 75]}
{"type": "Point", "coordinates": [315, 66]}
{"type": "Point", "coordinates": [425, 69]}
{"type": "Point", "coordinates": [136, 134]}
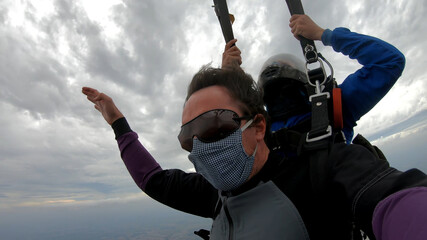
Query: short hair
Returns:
{"type": "Point", "coordinates": [241, 86]}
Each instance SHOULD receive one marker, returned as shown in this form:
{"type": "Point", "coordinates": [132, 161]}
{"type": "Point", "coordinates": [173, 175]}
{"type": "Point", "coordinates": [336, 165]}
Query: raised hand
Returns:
{"type": "Point", "coordinates": [231, 58]}
{"type": "Point", "coordinates": [103, 103]}
{"type": "Point", "coordinates": [302, 25]}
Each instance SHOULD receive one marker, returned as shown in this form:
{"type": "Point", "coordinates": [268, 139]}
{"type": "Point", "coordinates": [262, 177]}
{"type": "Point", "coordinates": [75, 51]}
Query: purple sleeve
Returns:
{"type": "Point", "coordinates": [139, 162]}
{"type": "Point", "coordinates": [402, 215]}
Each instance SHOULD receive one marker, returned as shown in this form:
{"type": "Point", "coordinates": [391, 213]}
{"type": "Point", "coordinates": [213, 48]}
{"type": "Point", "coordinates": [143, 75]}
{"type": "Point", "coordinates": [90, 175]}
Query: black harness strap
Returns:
{"type": "Point", "coordinates": [307, 45]}
{"type": "Point", "coordinates": [223, 15]}
{"type": "Point", "coordinates": [293, 140]}
{"type": "Point", "coordinates": [320, 138]}
{"type": "Point", "coordinates": [320, 127]}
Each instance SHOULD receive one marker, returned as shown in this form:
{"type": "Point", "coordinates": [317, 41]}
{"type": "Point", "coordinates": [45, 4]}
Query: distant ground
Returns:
{"type": "Point", "coordinates": [143, 220]}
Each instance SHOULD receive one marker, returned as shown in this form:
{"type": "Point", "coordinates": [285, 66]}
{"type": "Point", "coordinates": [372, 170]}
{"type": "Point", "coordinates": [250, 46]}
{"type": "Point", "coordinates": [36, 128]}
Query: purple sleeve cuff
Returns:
{"type": "Point", "coordinates": [139, 162]}
{"type": "Point", "coordinates": [402, 215]}
{"type": "Point", "coordinates": [120, 127]}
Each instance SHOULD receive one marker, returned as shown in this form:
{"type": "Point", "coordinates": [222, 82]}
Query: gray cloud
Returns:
{"type": "Point", "coordinates": [55, 146]}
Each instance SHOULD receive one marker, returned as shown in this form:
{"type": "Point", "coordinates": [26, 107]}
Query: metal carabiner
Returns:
{"type": "Point", "coordinates": [322, 67]}
{"type": "Point", "coordinates": [309, 50]}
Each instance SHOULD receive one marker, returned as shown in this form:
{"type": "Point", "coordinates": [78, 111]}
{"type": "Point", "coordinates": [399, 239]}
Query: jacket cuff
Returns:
{"type": "Point", "coordinates": [327, 37]}
{"type": "Point", "coordinates": [120, 127]}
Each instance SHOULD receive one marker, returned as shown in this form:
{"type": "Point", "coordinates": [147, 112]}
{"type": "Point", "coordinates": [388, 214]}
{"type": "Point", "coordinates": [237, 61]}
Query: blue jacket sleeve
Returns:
{"type": "Point", "coordinates": [382, 66]}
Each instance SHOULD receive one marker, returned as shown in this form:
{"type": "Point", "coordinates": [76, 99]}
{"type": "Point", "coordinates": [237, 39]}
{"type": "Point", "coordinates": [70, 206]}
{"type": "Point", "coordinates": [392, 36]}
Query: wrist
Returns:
{"type": "Point", "coordinates": [327, 37]}
{"type": "Point", "coordinates": [120, 127]}
{"type": "Point", "coordinates": [117, 117]}
{"type": "Point", "coordinates": [319, 34]}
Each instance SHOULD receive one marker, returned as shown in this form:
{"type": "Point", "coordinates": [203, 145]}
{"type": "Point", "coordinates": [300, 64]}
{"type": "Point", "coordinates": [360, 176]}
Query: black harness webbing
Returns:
{"type": "Point", "coordinates": [320, 121]}
{"type": "Point", "coordinates": [318, 141]}
{"type": "Point", "coordinates": [307, 45]}
{"type": "Point", "coordinates": [223, 15]}
{"type": "Point", "coordinates": [293, 140]}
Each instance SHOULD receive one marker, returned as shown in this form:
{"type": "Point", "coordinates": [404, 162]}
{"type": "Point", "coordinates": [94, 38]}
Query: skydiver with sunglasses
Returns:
{"type": "Point", "coordinates": [251, 193]}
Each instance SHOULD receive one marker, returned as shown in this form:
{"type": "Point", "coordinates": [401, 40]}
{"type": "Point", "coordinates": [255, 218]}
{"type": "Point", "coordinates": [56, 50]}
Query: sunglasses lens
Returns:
{"type": "Point", "coordinates": [209, 127]}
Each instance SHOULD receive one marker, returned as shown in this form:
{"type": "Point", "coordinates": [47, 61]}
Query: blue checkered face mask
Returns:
{"type": "Point", "coordinates": [224, 163]}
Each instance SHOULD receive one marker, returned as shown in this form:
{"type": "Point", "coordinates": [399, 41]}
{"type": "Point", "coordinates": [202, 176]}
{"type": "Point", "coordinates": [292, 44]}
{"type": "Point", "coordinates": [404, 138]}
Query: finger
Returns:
{"type": "Point", "coordinates": [91, 99]}
{"type": "Point", "coordinates": [234, 49]}
{"type": "Point", "coordinates": [236, 59]}
{"type": "Point", "coordinates": [93, 96]}
{"type": "Point", "coordinates": [305, 18]}
{"type": "Point", "coordinates": [295, 17]}
{"type": "Point", "coordinates": [296, 31]}
{"type": "Point", "coordinates": [292, 23]}
{"type": "Point", "coordinates": [230, 44]}
{"type": "Point", "coordinates": [234, 54]}
{"type": "Point", "coordinates": [90, 93]}
{"type": "Point", "coordinates": [295, 24]}
{"type": "Point", "coordinates": [293, 29]}
{"type": "Point", "coordinates": [100, 96]}
{"type": "Point", "coordinates": [88, 90]}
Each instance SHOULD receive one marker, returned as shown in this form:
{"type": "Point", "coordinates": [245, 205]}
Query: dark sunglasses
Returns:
{"type": "Point", "coordinates": [210, 126]}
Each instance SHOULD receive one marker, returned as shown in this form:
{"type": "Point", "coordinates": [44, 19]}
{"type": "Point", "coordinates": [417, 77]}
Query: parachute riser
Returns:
{"type": "Point", "coordinates": [317, 79]}
{"type": "Point", "coordinates": [225, 19]}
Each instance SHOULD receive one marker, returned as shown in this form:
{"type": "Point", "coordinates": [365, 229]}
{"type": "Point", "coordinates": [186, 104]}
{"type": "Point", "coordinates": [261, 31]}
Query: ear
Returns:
{"type": "Point", "coordinates": [260, 127]}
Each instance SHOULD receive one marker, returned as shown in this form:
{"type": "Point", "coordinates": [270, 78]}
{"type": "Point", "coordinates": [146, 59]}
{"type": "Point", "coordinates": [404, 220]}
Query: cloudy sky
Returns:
{"type": "Point", "coordinates": [56, 149]}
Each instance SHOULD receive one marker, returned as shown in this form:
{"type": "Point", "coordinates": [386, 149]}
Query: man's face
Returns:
{"type": "Point", "coordinates": [217, 97]}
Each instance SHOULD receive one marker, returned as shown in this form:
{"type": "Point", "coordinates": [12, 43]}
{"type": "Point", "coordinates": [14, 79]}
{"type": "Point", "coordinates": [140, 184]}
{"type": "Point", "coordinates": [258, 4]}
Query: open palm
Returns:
{"type": "Point", "coordinates": [103, 103]}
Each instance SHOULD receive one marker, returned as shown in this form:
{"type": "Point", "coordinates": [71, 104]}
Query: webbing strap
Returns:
{"type": "Point", "coordinates": [223, 15]}
{"type": "Point", "coordinates": [319, 138]}
{"type": "Point", "coordinates": [289, 138]}
{"type": "Point", "coordinates": [317, 78]}
{"type": "Point", "coordinates": [307, 45]}
{"type": "Point", "coordinates": [318, 153]}
{"type": "Point", "coordinates": [320, 127]}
